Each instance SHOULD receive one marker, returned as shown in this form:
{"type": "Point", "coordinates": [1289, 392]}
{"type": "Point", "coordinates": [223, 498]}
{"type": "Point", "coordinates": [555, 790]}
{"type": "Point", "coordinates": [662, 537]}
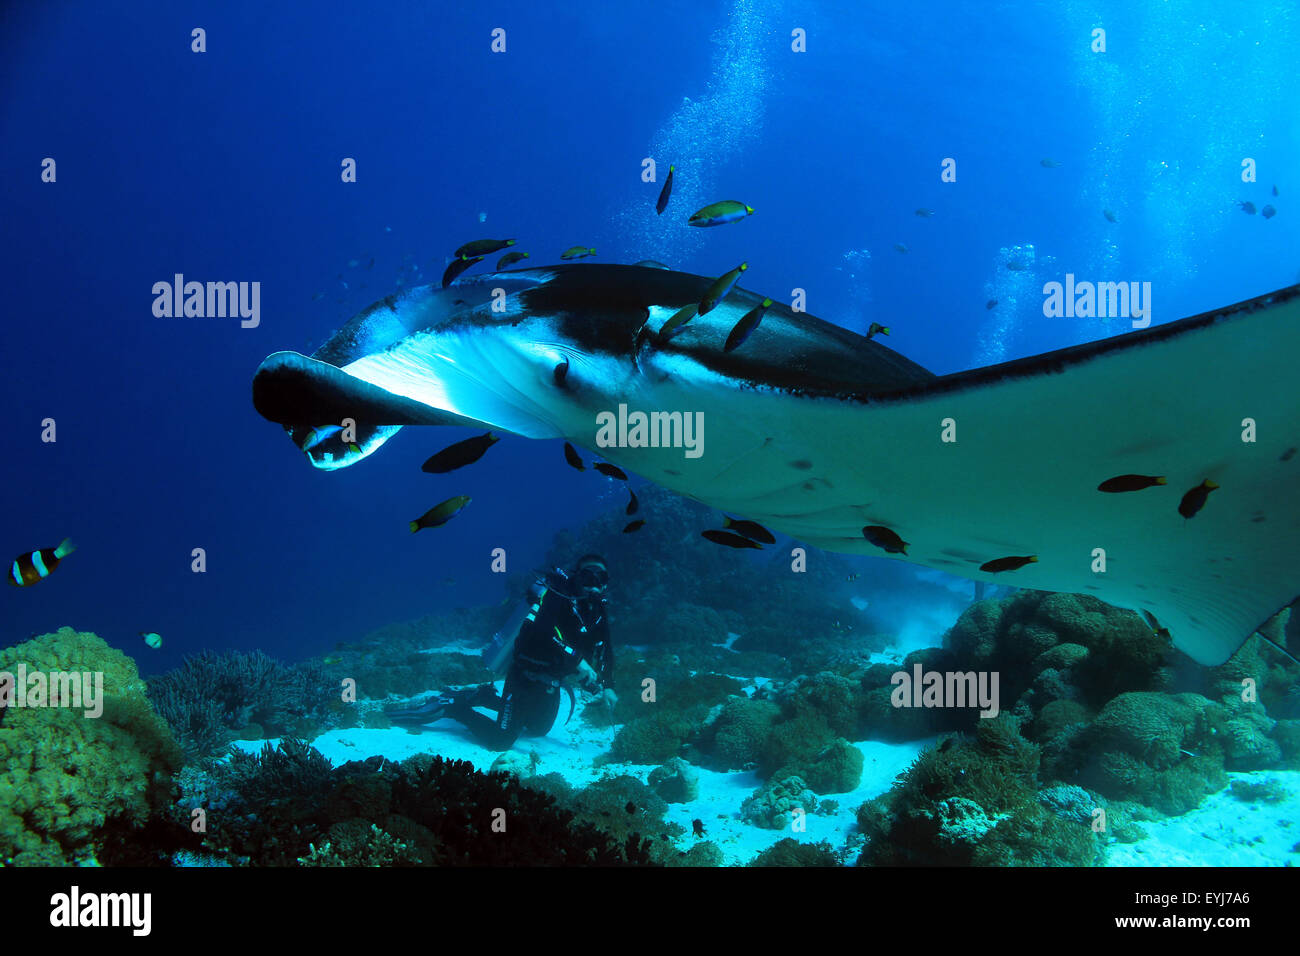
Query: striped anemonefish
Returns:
{"type": "Point", "coordinates": [31, 567]}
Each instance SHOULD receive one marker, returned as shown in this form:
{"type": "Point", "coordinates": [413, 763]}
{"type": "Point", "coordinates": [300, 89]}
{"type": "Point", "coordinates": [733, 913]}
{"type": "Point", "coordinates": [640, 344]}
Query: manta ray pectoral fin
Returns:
{"type": "Point", "coordinates": [292, 389]}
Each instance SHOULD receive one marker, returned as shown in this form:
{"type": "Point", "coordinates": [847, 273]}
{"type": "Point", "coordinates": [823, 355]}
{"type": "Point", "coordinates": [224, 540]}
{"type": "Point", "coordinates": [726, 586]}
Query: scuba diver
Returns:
{"type": "Point", "coordinates": [562, 640]}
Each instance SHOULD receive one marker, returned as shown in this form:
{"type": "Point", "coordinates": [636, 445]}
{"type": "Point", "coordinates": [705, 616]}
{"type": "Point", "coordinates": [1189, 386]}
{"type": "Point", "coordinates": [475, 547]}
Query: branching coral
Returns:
{"type": "Point", "coordinates": [211, 697]}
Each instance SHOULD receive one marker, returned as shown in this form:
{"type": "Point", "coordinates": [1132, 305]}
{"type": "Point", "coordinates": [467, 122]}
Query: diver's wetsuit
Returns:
{"type": "Point", "coordinates": [550, 645]}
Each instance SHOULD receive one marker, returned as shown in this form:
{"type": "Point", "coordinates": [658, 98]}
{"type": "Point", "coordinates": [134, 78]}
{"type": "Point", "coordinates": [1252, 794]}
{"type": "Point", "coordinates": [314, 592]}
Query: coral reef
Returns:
{"type": "Point", "coordinates": [734, 736]}
{"type": "Point", "coordinates": [74, 784]}
{"type": "Point", "coordinates": [772, 806]}
{"type": "Point", "coordinates": [978, 803]}
{"type": "Point", "coordinates": [213, 698]}
{"type": "Point", "coordinates": [287, 804]}
{"type": "Point", "coordinates": [790, 852]}
{"type": "Point", "coordinates": [676, 781]}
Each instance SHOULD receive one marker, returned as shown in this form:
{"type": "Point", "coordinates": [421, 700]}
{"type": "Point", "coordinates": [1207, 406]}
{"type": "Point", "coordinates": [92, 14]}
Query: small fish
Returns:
{"type": "Point", "coordinates": [748, 323]}
{"type": "Point", "coordinates": [610, 471]}
{"type": "Point", "coordinates": [698, 827]}
{"type": "Point", "coordinates": [332, 660]}
{"type": "Point", "coordinates": [636, 525]}
{"type": "Point", "coordinates": [440, 514]}
{"type": "Point", "coordinates": [510, 258]}
{"type": "Point", "coordinates": [885, 539]}
{"type": "Point", "coordinates": [1110, 216]}
{"type": "Point", "coordinates": [561, 373]}
{"type": "Point", "coordinates": [152, 639]}
{"type": "Point", "coordinates": [664, 193]}
{"type": "Point", "coordinates": [925, 213]}
{"type": "Point", "coordinates": [651, 264]}
{"type": "Point", "coordinates": [1017, 265]}
{"type": "Point", "coordinates": [991, 304]}
{"type": "Point", "coordinates": [729, 539]}
{"type": "Point", "coordinates": [721, 286]}
{"type": "Point", "coordinates": [573, 458]}
{"type": "Point", "coordinates": [1194, 500]}
{"type": "Point", "coordinates": [482, 247]}
{"type": "Point", "coordinates": [31, 567]}
{"type": "Point", "coordinates": [578, 252]}
{"type": "Point", "coordinates": [319, 434]}
{"type": "Point", "coordinates": [1008, 564]}
{"type": "Point", "coordinates": [1275, 189]}
{"type": "Point", "coordinates": [630, 807]}
{"type": "Point", "coordinates": [1048, 163]}
{"type": "Point", "coordinates": [460, 454]}
{"type": "Point", "coordinates": [852, 577]}
{"type": "Point", "coordinates": [1130, 483]}
{"type": "Point", "coordinates": [750, 529]}
{"type": "Point", "coordinates": [1247, 207]}
{"type": "Point", "coordinates": [1268, 212]}
{"type": "Point", "coordinates": [456, 268]}
{"type": "Point", "coordinates": [682, 316]}
{"type": "Point", "coordinates": [721, 213]}
{"type": "Point", "coordinates": [876, 329]}
{"type": "Point", "coordinates": [900, 247]}
{"type": "Point", "coordinates": [1155, 625]}
{"type": "Point", "coordinates": [632, 503]}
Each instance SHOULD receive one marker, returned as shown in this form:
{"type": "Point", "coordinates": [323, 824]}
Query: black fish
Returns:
{"type": "Point", "coordinates": [457, 267]}
{"type": "Point", "coordinates": [664, 193]}
{"type": "Point", "coordinates": [1194, 500]}
{"type": "Point", "coordinates": [747, 324]}
{"type": "Point", "coordinates": [1007, 564]}
{"type": "Point", "coordinates": [572, 457]}
{"type": "Point", "coordinates": [991, 304]}
{"type": "Point", "coordinates": [882, 537]}
{"type": "Point", "coordinates": [729, 539]}
{"type": "Point", "coordinates": [440, 514]}
{"type": "Point", "coordinates": [460, 454]}
{"type": "Point", "coordinates": [482, 247]}
{"type": "Point", "coordinates": [750, 529]}
{"type": "Point", "coordinates": [1129, 483]}
{"type": "Point", "coordinates": [632, 504]}
{"type": "Point", "coordinates": [612, 471]}
{"type": "Point", "coordinates": [636, 525]}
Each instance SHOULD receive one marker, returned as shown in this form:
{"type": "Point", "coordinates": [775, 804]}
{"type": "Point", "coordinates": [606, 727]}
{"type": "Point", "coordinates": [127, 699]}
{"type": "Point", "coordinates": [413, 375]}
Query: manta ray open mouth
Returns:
{"type": "Point", "coordinates": [819, 433]}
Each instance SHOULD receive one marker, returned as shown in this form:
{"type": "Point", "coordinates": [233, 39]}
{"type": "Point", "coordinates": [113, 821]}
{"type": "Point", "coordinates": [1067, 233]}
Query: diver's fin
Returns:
{"type": "Point", "coordinates": [292, 389]}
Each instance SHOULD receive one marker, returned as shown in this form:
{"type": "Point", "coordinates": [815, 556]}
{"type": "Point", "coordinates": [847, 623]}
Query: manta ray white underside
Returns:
{"type": "Point", "coordinates": [817, 433]}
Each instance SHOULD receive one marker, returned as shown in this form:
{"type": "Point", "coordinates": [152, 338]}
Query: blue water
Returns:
{"type": "Point", "coordinates": [225, 166]}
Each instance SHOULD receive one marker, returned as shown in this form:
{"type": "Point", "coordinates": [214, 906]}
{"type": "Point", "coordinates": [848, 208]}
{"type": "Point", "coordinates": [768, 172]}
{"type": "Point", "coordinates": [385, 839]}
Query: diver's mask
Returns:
{"type": "Point", "coordinates": [593, 579]}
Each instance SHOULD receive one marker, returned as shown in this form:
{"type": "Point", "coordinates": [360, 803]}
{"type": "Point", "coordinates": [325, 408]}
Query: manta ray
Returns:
{"type": "Point", "coordinates": [819, 433]}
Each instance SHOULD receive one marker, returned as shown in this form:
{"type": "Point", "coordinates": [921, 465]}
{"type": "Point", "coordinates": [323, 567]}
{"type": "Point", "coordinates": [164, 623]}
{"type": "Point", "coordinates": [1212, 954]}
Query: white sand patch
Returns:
{"type": "Point", "coordinates": [1223, 831]}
